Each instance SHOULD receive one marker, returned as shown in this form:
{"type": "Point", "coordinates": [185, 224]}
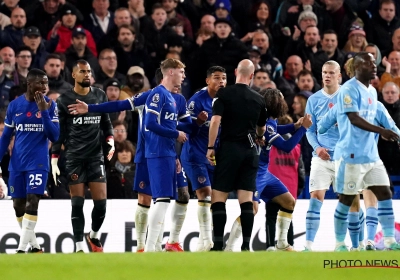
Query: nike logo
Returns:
{"type": "Point", "coordinates": [297, 235]}
{"type": "Point", "coordinates": [19, 114]}
{"type": "Point", "coordinates": [259, 245]}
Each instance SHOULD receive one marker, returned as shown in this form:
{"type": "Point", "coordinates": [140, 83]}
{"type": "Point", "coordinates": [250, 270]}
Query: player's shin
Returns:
{"type": "Point", "coordinates": [247, 221]}
{"type": "Point", "coordinates": [178, 215]}
{"type": "Point", "coordinates": [361, 236]}
{"type": "Point", "coordinates": [98, 216]}
{"type": "Point", "coordinates": [386, 219]}
{"type": "Point", "coordinates": [312, 221]}
{"type": "Point", "coordinates": [204, 217]}
{"type": "Point", "coordinates": [28, 226]}
{"type": "Point", "coordinates": [160, 239]}
{"type": "Point", "coordinates": [283, 223]}
{"type": "Point", "coordinates": [219, 220]}
{"type": "Point", "coordinates": [340, 223]}
{"type": "Point", "coordinates": [156, 220]}
{"type": "Point", "coordinates": [236, 233]}
{"type": "Point", "coordinates": [371, 221]}
{"type": "Point", "coordinates": [141, 217]}
{"type": "Point", "coordinates": [78, 220]}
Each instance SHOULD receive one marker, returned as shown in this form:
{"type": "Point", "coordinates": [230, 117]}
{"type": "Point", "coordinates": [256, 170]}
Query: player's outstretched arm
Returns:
{"type": "Point", "coordinates": [311, 133]}
{"type": "Point", "coordinates": [384, 119]}
{"type": "Point", "coordinates": [287, 128]}
{"type": "Point", "coordinates": [328, 120]}
{"type": "Point", "coordinates": [81, 107]}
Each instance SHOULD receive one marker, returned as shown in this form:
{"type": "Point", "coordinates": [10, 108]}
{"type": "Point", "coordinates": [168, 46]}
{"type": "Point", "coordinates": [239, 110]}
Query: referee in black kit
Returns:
{"type": "Point", "coordinates": [243, 115]}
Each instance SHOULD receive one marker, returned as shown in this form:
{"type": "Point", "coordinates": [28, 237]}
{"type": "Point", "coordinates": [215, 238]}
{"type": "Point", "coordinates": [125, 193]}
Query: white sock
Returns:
{"type": "Point", "coordinates": [141, 217]}
{"type": "Point", "coordinates": [160, 239]}
{"type": "Point", "coordinates": [309, 244]}
{"type": "Point", "coordinates": [234, 236]}
{"type": "Point", "coordinates": [94, 234]}
{"type": "Point", "coordinates": [200, 243]}
{"type": "Point", "coordinates": [156, 220]}
{"type": "Point", "coordinates": [32, 242]}
{"type": "Point", "coordinates": [205, 220]}
{"type": "Point", "coordinates": [283, 224]}
{"type": "Point", "coordinates": [79, 246]}
{"type": "Point", "coordinates": [28, 226]}
{"type": "Point", "coordinates": [178, 215]}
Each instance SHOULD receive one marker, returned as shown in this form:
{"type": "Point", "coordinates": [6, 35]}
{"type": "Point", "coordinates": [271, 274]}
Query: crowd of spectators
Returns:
{"type": "Point", "coordinates": [125, 40]}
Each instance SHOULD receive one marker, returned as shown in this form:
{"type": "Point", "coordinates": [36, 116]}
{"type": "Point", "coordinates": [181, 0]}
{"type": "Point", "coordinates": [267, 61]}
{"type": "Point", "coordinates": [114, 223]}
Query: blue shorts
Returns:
{"type": "Point", "coordinates": [162, 174]}
{"type": "Point", "coordinates": [142, 181]}
{"type": "Point", "coordinates": [22, 183]}
{"type": "Point", "coordinates": [181, 179]}
{"type": "Point", "coordinates": [200, 174]}
{"type": "Point", "coordinates": [268, 186]}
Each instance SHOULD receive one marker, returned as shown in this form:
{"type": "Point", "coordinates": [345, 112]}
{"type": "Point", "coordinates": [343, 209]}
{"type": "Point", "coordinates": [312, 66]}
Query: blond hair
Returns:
{"type": "Point", "coordinates": [171, 63]}
{"type": "Point", "coordinates": [349, 68]}
{"type": "Point", "coordinates": [332, 63]}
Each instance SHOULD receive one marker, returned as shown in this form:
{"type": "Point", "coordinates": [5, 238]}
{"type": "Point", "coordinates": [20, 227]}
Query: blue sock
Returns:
{"type": "Point", "coordinates": [371, 221]}
{"type": "Point", "coordinates": [312, 219]}
{"type": "Point", "coordinates": [386, 217]}
{"type": "Point", "coordinates": [362, 225]}
{"type": "Point", "coordinates": [340, 221]}
{"type": "Point", "coordinates": [354, 228]}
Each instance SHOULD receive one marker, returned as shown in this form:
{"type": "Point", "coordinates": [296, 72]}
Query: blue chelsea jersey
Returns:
{"type": "Point", "coordinates": [31, 145]}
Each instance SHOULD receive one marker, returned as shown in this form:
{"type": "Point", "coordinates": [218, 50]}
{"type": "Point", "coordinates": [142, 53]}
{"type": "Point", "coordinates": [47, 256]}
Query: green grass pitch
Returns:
{"type": "Point", "coordinates": [204, 266]}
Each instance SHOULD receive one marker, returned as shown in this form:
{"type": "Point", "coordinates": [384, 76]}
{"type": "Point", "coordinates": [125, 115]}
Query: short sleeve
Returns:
{"type": "Point", "coordinates": [194, 107]}
{"type": "Point", "coordinates": [218, 103]}
{"type": "Point", "coordinates": [271, 132]}
{"type": "Point", "coordinates": [154, 103]}
{"type": "Point", "coordinates": [9, 121]}
{"type": "Point", "coordinates": [263, 115]}
{"type": "Point", "coordinates": [349, 99]}
{"type": "Point", "coordinates": [53, 112]}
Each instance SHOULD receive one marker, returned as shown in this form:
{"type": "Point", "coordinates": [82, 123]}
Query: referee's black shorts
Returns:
{"type": "Point", "coordinates": [236, 167]}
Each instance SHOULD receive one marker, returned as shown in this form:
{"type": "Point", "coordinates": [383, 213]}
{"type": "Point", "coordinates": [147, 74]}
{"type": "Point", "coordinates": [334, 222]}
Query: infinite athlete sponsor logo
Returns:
{"type": "Point", "coordinates": [31, 127]}
{"type": "Point", "coordinates": [87, 120]}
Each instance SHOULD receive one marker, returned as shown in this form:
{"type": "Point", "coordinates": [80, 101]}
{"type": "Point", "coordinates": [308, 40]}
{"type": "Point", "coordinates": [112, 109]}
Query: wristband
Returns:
{"type": "Point", "coordinates": [210, 148]}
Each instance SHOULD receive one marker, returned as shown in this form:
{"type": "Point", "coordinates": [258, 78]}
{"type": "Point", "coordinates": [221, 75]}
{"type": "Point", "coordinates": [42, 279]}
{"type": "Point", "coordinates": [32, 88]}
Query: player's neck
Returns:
{"type": "Point", "coordinates": [331, 90]}
{"type": "Point", "coordinates": [29, 98]}
{"type": "Point", "coordinates": [81, 90]}
{"type": "Point", "coordinates": [168, 85]}
{"type": "Point", "coordinates": [365, 82]}
{"type": "Point", "coordinates": [211, 93]}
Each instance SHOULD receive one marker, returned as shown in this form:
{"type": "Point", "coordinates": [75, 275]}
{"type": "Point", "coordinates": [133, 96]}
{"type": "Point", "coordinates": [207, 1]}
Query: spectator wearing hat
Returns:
{"type": "Point", "coordinates": [108, 67]}
{"type": "Point", "coordinates": [255, 56]}
{"type": "Point", "coordinates": [342, 18]}
{"type": "Point", "coordinates": [223, 49]}
{"type": "Point", "coordinates": [112, 88]}
{"type": "Point", "coordinates": [157, 34]}
{"type": "Point", "coordinates": [382, 25]}
{"type": "Point", "coordinates": [79, 50]}
{"type": "Point", "coordinates": [5, 86]}
{"type": "Point", "coordinates": [303, 13]}
{"type": "Point", "coordinates": [52, 67]}
{"type": "Point", "coordinates": [223, 11]}
{"type": "Point", "coordinates": [101, 21]}
{"type": "Point", "coordinates": [129, 53]}
{"type": "Point", "coordinates": [33, 40]}
{"type": "Point", "coordinates": [170, 8]}
{"type": "Point", "coordinates": [136, 82]}
{"type": "Point", "coordinates": [299, 111]}
{"type": "Point", "coordinates": [357, 40]}
{"type": "Point", "coordinates": [69, 21]}
{"type": "Point", "coordinates": [268, 61]}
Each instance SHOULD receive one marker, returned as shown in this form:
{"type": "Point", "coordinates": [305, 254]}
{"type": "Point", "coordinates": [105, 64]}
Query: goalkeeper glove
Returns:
{"type": "Point", "coordinates": [111, 149]}
{"type": "Point", "coordinates": [54, 168]}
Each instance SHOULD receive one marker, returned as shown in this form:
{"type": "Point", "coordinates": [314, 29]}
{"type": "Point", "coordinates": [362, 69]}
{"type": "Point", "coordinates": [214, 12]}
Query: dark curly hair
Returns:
{"type": "Point", "coordinates": [275, 103]}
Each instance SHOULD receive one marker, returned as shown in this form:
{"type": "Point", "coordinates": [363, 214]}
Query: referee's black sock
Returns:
{"type": "Point", "coordinates": [247, 220]}
{"type": "Point", "coordinates": [98, 214]}
{"type": "Point", "coordinates": [219, 221]}
{"type": "Point", "coordinates": [77, 217]}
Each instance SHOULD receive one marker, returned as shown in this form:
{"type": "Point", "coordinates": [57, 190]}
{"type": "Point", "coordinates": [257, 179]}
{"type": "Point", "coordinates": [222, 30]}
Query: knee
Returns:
{"type": "Point", "coordinates": [144, 199]}
{"type": "Point", "coordinates": [183, 195]}
{"type": "Point", "coordinates": [32, 202]}
{"type": "Point", "coordinates": [100, 205]}
{"type": "Point", "coordinates": [19, 208]}
{"type": "Point", "coordinates": [289, 203]}
{"type": "Point", "coordinates": [77, 202]}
